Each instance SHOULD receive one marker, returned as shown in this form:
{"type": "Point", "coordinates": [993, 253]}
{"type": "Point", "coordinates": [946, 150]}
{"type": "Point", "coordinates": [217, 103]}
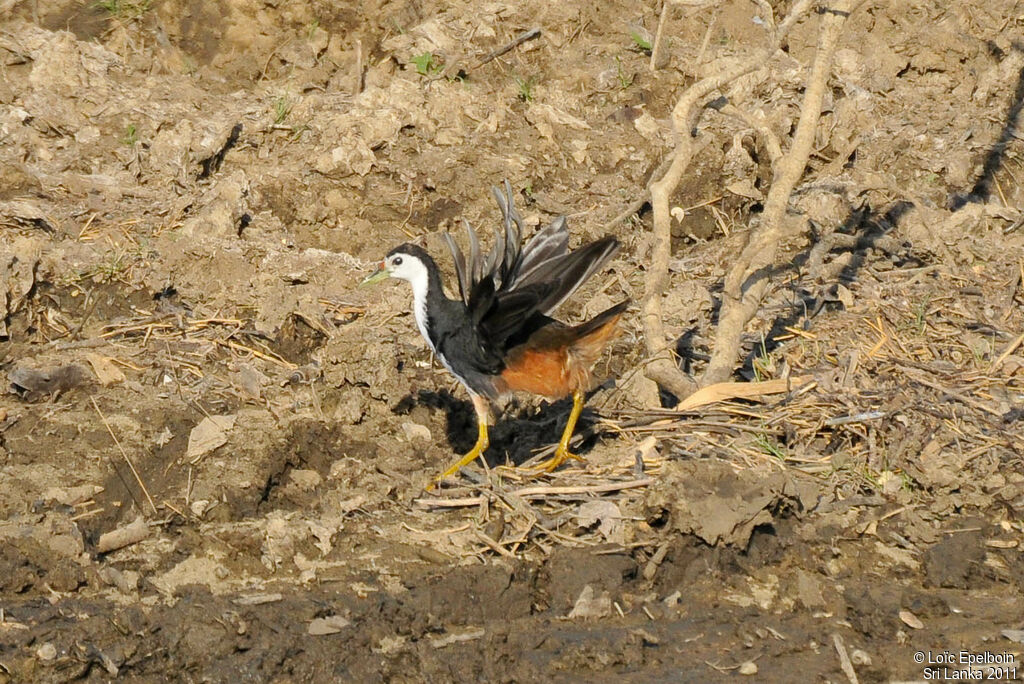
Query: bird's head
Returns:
{"type": "Point", "coordinates": [408, 262]}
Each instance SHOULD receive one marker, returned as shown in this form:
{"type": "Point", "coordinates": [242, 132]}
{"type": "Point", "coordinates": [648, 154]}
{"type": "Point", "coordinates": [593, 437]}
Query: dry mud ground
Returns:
{"type": "Point", "coordinates": [190, 192]}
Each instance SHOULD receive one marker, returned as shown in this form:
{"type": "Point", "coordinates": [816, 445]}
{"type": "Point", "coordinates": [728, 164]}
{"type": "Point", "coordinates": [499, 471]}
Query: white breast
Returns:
{"type": "Point", "coordinates": [420, 284]}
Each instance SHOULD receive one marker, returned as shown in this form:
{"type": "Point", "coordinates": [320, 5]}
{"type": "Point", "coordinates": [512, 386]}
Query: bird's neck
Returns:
{"type": "Point", "coordinates": [427, 294]}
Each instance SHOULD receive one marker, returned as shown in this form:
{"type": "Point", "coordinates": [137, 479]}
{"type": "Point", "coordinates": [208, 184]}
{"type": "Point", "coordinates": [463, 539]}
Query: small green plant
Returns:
{"type": "Point", "coordinates": [640, 41]}
{"type": "Point", "coordinates": [297, 131]}
{"type": "Point", "coordinates": [125, 9]}
{"type": "Point", "coordinates": [770, 446]}
{"type": "Point", "coordinates": [762, 364]}
{"type": "Point", "coordinates": [312, 28]}
{"type": "Point", "coordinates": [282, 107]}
{"type": "Point", "coordinates": [130, 136]}
{"type": "Point", "coordinates": [921, 314]}
{"type": "Point", "coordinates": [526, 88]}
{"type": "Point", "coordinates": [624, 80]}
{"type": "Point", "coordinates": [427, 64]}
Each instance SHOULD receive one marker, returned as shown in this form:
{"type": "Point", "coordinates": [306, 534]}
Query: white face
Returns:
{"type": "Point", "coordinates": [411, 268]}
{"type": "Point", "coordinates": [406, 267]}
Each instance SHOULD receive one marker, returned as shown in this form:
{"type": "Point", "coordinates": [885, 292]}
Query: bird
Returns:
{"type": "Point", "coordinates": [497, 336]}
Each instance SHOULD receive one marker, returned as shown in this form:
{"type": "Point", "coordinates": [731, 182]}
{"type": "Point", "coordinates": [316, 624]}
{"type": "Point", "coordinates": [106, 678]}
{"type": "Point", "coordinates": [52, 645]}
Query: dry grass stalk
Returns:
{"type": "Point", "coordinates": [124, 455]}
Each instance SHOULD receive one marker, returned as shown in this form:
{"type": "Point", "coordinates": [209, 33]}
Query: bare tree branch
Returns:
{"type": "Point", "coordinates": [658, 49]}
{"type": "Point", "coordinates": [747, 281]}
{"type": "Point", "coordinates": [663, 368]}
{"type": "Point", "coordinates": [771, 141]}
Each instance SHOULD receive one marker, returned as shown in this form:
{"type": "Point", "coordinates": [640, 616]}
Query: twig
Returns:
{"type": "Point", "coordinates": [1006, 352]}
{"type": "Point", "coordinates": [121, 537]}
{"type": "Point", "coordinates": [357, 71]}
{"type": "Point", "coordinates": [771, 141]}
{"type": "Point", "coordinates": [844, 659]}
{"type": "Point", "coordinates": [658, 49]}
{"type": "Point", "coordinates": [462, 502]}
{"type": "Point", "coordinates": [124, 454]}
{"type": "Point", "coordinates": [651, 569]}
{"type": "Point", "coordinates": [263, 74]}
{"type": "Point", "coordinates": [519, 40]}
{"type": "Point", "coordinates": [855, 418]}
{"type": "Point", "coordinates": [747, 281]}
{"type": "Point", "coordinates": [642, 199]}
{"type": "Point", "coordinates": [707, 39]}
{"type": "Point", "coordinates": [963, 398]}
{"type": "Point", "coordinates": [273, 358]}
{"type": "Point", "coordinates": [515, 498]}
{"type": "Point", "coordinates": [583, 489]}
{"type": "Point", "coordinates": [495, 546]}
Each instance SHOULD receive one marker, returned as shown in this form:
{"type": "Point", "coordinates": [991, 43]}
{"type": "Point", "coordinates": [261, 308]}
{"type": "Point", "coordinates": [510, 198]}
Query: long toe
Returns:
{"type": "Point", "coordinates": [560, 457]}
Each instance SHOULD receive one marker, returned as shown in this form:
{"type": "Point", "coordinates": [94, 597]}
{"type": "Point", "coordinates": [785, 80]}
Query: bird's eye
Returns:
{"type": "Point", "coordinates": [397, 261]}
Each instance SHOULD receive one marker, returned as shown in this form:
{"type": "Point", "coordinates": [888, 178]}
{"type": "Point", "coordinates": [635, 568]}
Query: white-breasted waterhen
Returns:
{"type": "Point", "coordinates": [498, 337]}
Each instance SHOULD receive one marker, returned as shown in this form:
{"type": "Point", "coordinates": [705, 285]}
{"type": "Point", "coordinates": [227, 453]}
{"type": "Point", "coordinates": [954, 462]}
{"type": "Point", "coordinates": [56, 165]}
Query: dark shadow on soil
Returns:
{"type": "Point", "coordinates": [994, 158]}
{"type": "Point", "coordinates": [517, 432]}
{"type": "Point", "coordinates": [867, 227]}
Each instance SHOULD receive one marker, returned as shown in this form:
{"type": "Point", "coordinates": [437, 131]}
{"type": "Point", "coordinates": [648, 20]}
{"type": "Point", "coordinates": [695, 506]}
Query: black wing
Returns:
{"type": "Point", "coordinates": [514, 286]}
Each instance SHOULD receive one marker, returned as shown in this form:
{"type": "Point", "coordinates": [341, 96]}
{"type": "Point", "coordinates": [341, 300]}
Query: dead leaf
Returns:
{"type": "Point", "coordinates": [745, 188]}
{"type": "Point", "coordinates": [208, 435]}
{"type": "Point", "coordinates": [723, 391]}
{"type": "Point", "coordinates": [911, 620]}
{"type": "Point", "coordinates": [470, 634]}
{"type": "Point", "coordinates": [729, 511]}
{"type": "Point", "coordinates": [589, 606]}
{"type": "Point", "coordinates": [106, 371]}
{"type": "Point", "coordinates": [606, 515]}
{"type": "Point", "coordinates": [332, 624]}
{"type": "Point", "coordinates": [845, 296]}
{"type": "Point", "coordinates": [1014, 635]}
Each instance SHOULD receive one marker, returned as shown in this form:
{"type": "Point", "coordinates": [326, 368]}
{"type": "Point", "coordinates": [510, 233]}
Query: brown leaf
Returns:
{"type": "Point", "coordinates": [723, 391]}
{"type": "Point", "coordinates": [106, 371]}
{"type": "Point", "coordinates": [208, 435]}
{"type": "Point", "coordinates": [911, 620]}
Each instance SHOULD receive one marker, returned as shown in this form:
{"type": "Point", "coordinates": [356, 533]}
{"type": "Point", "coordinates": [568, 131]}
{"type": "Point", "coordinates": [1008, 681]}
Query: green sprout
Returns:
{"type": "Point", "coordinates": [130, 136]}
{"type": "Point", "coordinates": [624, 80]}
{"type": "Point", "coordinates": [124, 9]}
{"type": "Point", "coordinates": [526, 88]}
{"type": "Point", "coordinates": [640, 41]}
{"type": "Point", "coordinates": [426, 64]}
{"type": "Point", "coordinates": [770, 446]}
{"type": "Point", "coordinates": [282, 107]}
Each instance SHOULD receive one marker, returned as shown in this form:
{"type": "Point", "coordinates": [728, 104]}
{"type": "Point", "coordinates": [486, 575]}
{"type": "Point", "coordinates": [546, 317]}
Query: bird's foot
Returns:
{"type": "Point", "coordinates": [562, 454]}
{"type": "Point", "coordinates": [473, 454]}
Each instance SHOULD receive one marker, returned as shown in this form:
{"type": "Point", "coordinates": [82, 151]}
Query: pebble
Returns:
{"type": "Point", "coordinates": [748, 668]}
{"type": "Point", "coordinates": [414, 431]}
{"type": "Point", "coordinates": [46, 651]}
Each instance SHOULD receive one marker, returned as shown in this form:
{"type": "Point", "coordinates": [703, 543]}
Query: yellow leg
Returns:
{"type": "Point", "coordinates": [482, 441]}
{"type": "Point", "coordinates": [563, 453]}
